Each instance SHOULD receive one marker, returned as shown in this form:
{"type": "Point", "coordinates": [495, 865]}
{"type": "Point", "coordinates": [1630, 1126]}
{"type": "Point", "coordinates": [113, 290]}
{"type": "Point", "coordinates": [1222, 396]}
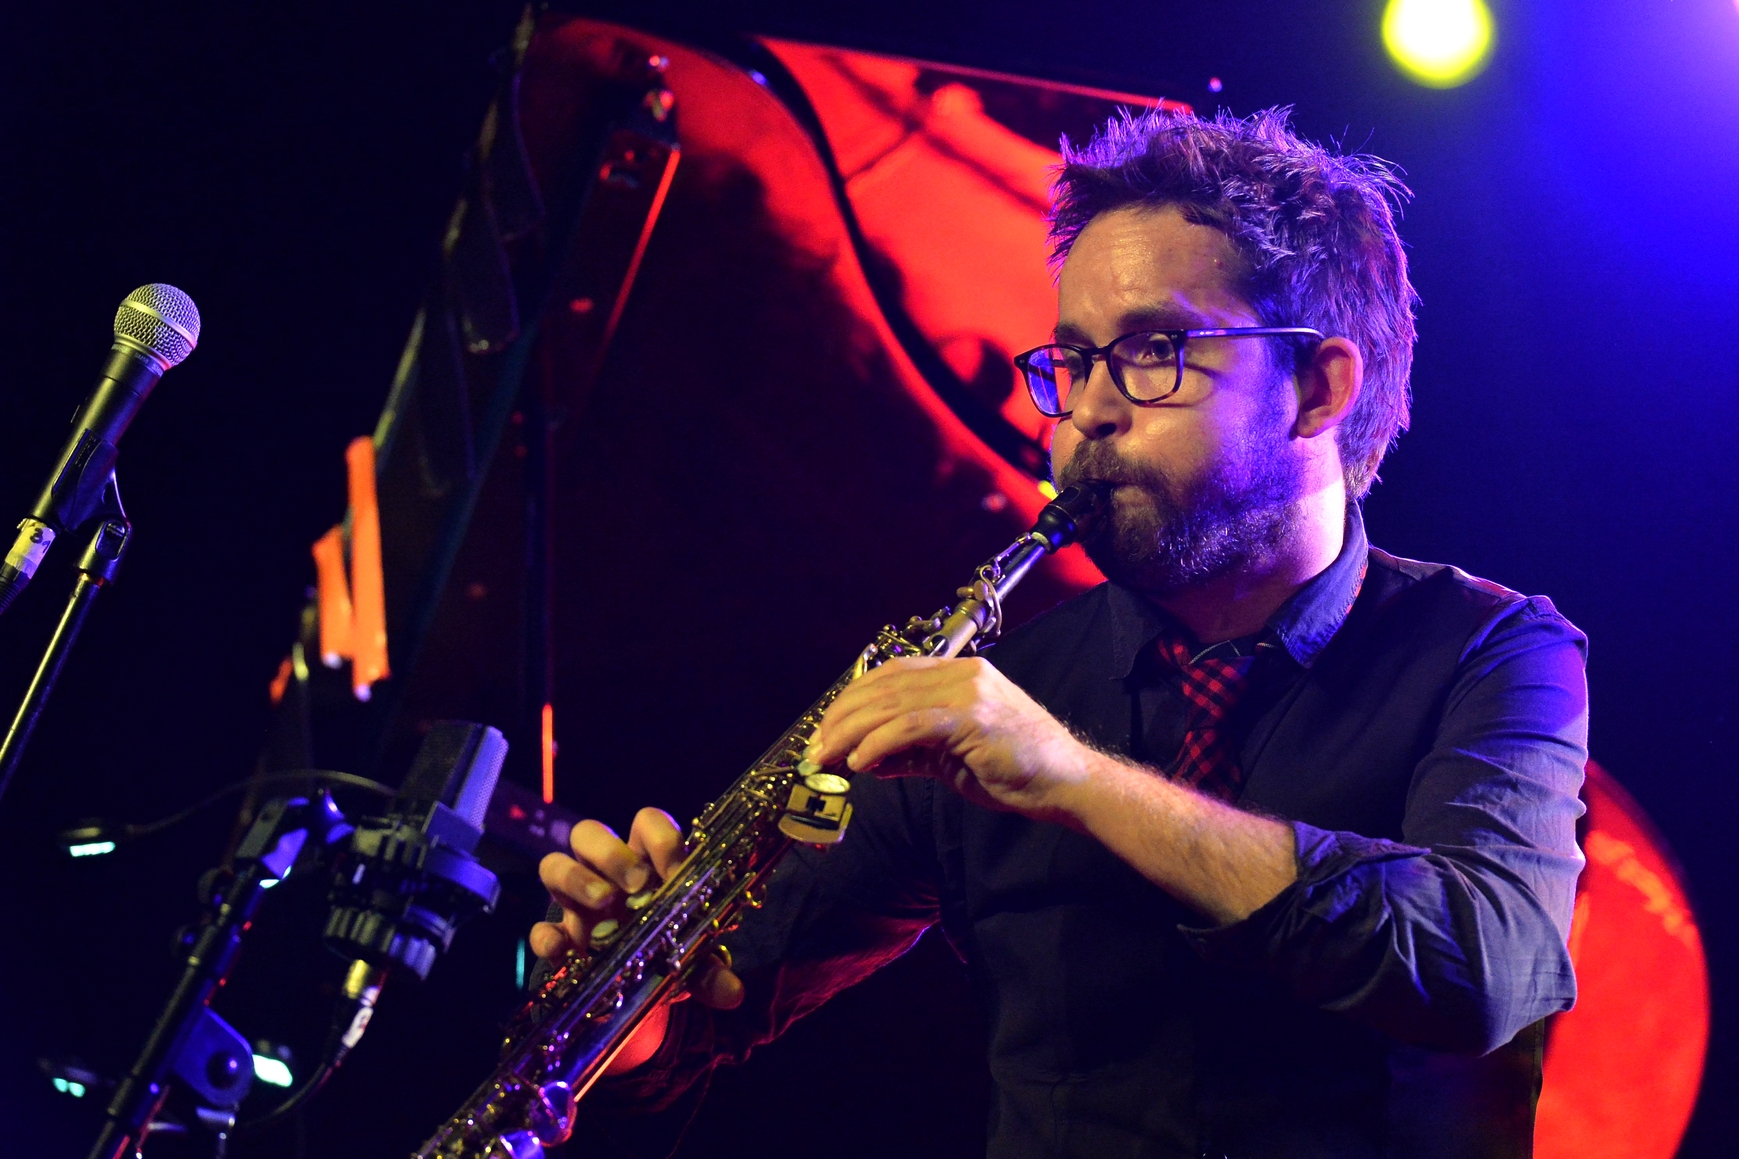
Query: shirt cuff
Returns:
{"type": "Point", "coordinates": [1324, 889]}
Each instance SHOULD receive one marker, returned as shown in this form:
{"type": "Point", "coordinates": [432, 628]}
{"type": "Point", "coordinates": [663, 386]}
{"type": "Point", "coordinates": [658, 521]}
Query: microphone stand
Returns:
{"type": "Point", "coordinates": [96, 570]}
{"type": "Point", "coordinates": [189, 1041]}
{"type": "Point", "coordinates": [401, 886]}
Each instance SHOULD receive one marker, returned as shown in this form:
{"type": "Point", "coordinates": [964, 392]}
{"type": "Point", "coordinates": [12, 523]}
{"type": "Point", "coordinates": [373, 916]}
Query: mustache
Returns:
{"type": "Point", "coordinates": [1098, 463]}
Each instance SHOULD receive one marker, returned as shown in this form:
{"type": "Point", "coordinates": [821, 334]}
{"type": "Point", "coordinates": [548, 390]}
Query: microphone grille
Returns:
{"type": "Point", "coordinates": [162, 319]}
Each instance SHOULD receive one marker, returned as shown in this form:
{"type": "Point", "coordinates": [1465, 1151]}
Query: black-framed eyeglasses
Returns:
{"type": "Point", "coordinates": [1146, 366]}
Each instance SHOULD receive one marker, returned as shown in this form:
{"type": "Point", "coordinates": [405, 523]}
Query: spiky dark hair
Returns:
{"type": "Point", "coordinates": [1316, 230]}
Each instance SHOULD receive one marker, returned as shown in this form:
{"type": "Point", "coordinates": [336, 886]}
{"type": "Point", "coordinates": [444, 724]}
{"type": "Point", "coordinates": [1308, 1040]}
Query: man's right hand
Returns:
{"type": "Point", "coordinates": [591, 886]}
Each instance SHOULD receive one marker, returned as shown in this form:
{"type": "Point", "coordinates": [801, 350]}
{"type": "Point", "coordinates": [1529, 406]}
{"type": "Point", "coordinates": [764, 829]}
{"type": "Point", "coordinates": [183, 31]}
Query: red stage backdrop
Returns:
{"type": "Point", "coordinates": [1622, 1069]}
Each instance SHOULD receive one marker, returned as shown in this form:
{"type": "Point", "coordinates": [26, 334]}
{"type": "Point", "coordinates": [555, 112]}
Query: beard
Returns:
{"type": "Point", "coordinates": [1161, 536]}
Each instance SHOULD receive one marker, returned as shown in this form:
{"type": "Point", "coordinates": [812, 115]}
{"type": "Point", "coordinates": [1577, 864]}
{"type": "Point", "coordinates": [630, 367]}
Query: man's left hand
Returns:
{"type": "Point", "coordinates": [961, 721]}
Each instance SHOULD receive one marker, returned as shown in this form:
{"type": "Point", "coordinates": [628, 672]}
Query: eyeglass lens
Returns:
{"type": "Point", "coordinates": [1145, 365]}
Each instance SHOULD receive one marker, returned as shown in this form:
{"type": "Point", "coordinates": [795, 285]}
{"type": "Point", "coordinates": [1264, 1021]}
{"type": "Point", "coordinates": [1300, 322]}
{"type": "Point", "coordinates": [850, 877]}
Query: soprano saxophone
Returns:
{"type": "Point", "coordinates": [563, 1038]}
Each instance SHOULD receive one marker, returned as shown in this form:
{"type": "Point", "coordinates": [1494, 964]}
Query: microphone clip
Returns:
{"type": "Point", "coordinates": [96, 570]}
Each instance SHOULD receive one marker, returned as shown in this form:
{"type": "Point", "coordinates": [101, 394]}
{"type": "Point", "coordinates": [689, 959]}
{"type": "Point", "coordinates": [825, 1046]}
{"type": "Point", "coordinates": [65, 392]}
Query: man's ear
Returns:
{"type": "Point", "coordinates": [1328, 386]}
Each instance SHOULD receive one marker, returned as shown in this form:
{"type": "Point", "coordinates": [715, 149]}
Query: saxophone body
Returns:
{"type": "Point", "coordinates": [561, 1041]}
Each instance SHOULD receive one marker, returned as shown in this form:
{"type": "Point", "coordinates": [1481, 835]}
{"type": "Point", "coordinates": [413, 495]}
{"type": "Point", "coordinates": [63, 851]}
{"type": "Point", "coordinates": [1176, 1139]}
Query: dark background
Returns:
{"type": "Point", "coordinates": [1575, 241]}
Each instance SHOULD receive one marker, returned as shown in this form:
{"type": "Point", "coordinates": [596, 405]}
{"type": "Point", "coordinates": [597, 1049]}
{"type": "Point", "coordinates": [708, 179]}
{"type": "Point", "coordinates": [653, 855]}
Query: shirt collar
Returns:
{"type": "Point", "coordinates": [1303, 625]}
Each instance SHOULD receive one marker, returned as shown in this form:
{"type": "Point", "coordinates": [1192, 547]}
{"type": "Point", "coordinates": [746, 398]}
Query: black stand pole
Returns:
{"type": "Point", "coordinates": [97, 567]}
{"type": "Point", "coordinates": [188, 1040]}
{"type": "Point", "coordinates": [140, 1095]}
{"type": "Point", "coordinates": [538, 432]}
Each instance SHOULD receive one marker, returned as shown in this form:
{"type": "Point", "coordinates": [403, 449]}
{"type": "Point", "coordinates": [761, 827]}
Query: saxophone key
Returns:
{"type": "Point", "coordinates": [818, 810]}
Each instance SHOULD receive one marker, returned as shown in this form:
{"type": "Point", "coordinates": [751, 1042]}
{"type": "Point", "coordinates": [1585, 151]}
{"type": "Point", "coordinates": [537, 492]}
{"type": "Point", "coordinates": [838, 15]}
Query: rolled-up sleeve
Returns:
{"type": "Point", "coordinates": [1455, 936]}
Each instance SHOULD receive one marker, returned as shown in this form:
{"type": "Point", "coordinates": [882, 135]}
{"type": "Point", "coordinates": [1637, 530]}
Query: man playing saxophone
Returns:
{"type": "Point", "coordinates": [1265, 847]}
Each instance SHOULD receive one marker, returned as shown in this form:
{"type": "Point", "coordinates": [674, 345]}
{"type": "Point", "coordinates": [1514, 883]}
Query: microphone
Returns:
{"type": "Point", "coordinates": [156, 327]}
{"type": "Point", "coordinates": [410, 878]}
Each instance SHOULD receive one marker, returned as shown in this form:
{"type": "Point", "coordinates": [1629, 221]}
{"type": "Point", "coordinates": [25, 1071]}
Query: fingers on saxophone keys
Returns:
{"type": "Point", "coordinates": [718, 987]}
{"type": "Point", "coordinates": [896, 687]}
{"type": "Point", "coordinates": [549, 940]}
{"type": "Point", "coordinates": [901, 733]}
{"type": "Point", "coordinates": [576, 927]}
{"type": "Point", "coordinates": [842, 738]}
{"type": "Point", "coordinates": [714, 984]}
{"type": "Point", "coordinates": [657, 837]}
{"type": "Point", "coordinates": [613, 859]}
{"type": "Point", "coordinates": [575, 886]}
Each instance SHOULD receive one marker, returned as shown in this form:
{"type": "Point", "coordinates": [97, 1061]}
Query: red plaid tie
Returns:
{"type": "Point", "coordinates": [1211, 687]}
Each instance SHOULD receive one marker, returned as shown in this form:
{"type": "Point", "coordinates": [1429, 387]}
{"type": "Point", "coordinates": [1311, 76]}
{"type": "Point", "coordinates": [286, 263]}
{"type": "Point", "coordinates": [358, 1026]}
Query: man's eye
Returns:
{"type": "Point", "coordinates": [1149, 351]}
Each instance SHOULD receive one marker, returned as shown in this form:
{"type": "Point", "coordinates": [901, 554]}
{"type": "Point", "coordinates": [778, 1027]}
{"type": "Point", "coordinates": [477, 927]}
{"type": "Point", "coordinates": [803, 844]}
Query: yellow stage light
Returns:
{"type": "Point", "coordinates": [1438, 43]}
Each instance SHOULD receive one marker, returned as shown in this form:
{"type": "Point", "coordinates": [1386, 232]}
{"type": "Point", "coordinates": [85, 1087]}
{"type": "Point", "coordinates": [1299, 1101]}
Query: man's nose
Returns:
{"type": "Point", "coordinates": [1100, 409]}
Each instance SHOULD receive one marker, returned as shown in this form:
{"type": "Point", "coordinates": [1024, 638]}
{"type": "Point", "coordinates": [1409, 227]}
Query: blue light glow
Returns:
{"type": "Point", "coordinates": [69, 1087]}
{"type": "Point", "coordinates": [91, 848]}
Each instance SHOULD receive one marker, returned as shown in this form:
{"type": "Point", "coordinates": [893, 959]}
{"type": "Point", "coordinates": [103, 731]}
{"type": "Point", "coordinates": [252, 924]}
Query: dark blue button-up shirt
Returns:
{"type": "Point", "coordinates": [1423, 731]}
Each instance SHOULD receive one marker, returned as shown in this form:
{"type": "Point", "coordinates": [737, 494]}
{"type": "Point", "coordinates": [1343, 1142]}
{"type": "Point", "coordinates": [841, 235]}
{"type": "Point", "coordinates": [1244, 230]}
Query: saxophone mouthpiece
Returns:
{"type": "Point", "coordinates": [1068, 517]}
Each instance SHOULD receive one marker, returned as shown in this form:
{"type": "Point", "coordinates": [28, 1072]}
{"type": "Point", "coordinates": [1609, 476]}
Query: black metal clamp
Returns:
{"type": "Point", "coordinates": [96, 570]}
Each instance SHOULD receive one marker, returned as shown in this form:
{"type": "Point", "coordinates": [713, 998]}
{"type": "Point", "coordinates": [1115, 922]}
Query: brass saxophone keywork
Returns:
{"type": "Point", "coordinates": [563, 1038]}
